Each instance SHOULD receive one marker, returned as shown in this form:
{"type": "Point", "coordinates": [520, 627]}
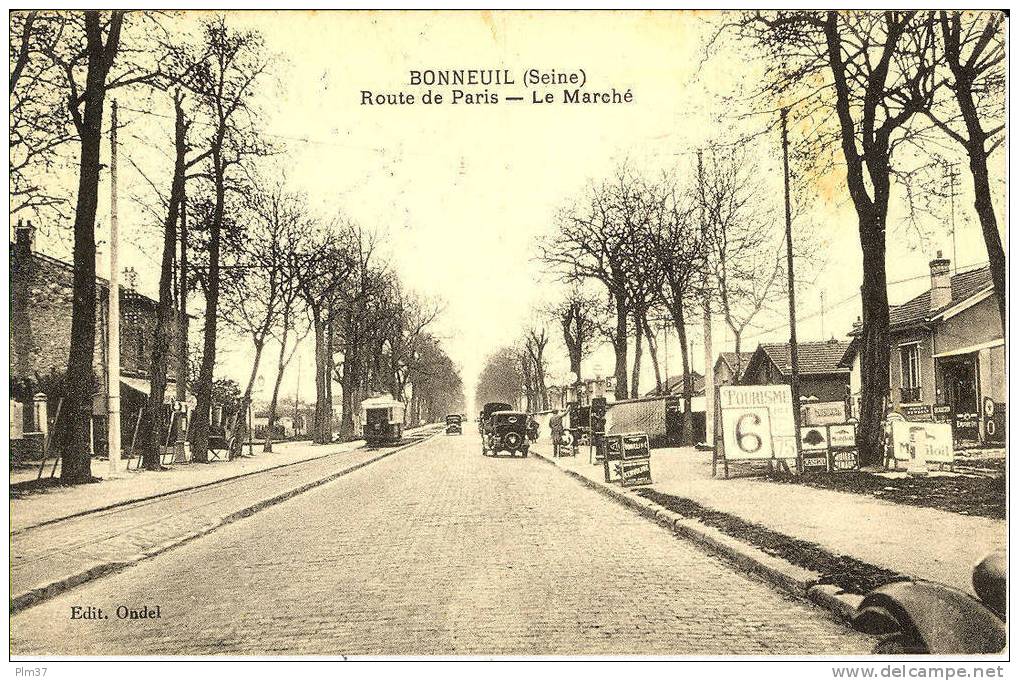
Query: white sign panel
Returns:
{"type": "Point", "coordinates": [757, 422]}
{"type": "Point", "coordinates": [842, 436]}
{"type": "Point", "coordinates": [933, 440]}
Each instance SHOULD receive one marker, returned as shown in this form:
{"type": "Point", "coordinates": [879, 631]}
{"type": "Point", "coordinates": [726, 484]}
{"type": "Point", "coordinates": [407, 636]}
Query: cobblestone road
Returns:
{"type": "Point", "coordinates": [437, 550]}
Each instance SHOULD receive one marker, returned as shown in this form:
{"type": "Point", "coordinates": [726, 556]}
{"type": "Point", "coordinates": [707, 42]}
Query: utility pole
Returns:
{"type": "Point", "coordinates": [182, 323]}
{"type": "Point", "coordinates": [709, 373]}
{"type": "Point", "coordinates": [794, 359]}
{"type": "Point", "coordinates": [297, 389]}
{"type": "Point", "coordinates": [822, 314]}
{"type": "Point", "coordinates": [113, 324]}
{"type": "Point", "coordinates": [951, 203]}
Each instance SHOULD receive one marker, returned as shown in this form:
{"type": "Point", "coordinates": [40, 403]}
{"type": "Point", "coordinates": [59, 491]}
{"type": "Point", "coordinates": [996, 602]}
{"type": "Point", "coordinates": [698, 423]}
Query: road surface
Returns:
{"type": "Point", "coordinates": [436, 551]}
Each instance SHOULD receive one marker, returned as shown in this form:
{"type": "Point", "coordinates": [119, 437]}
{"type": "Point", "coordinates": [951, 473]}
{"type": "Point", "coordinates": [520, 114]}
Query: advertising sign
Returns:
{"type": "Point", "coordinates": [823, 413]}
{"type": "Point", "coordinates": [635, 446]}
{"type": "Point", "coordinates": [757, 422]}
{"type": "Point", "coordinates": [844, 460]}
{"type": "Point", "coordinates": [942, 413]}
{"type": "Point", "coordinates": [814, 439]}
{"type": "Point", "coordinates": [635, 472]}
{"type": "Point", "coordinates": [994, 421]}
{"type": "Point", "coordinates": [932, 441]}
{"type": "Point", "coordinates": [842, 436]}
{"type": "Point", "coordinates": [917, 412]}
{"type": "Point", "coordinates": [613, 454]}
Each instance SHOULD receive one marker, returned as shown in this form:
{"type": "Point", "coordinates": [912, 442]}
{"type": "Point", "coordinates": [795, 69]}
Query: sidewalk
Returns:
{"type": "Point", "coordinates": [51, 558]}
{"type": "Point", "coordinates": [60, 502]}
{"type": "Point", "coordinates": [919, 542]}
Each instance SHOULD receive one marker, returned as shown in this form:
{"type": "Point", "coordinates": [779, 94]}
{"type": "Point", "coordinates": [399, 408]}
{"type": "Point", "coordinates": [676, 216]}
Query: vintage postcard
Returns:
{"type": "Point", "coordinates": [508, 334]}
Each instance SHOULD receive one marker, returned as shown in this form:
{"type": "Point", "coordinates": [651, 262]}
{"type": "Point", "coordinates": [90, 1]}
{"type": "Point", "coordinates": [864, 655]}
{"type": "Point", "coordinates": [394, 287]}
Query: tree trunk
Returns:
{"type": "Point", "coordinates": [281, 365]}
{"type": "Point", "coordinates": [321, 367]}
{"type": "Point", "coordinates": [638, 352]}
{"type": "Point", "coordinates": [653, 350]}
{"type": "Point", "coordinates": [241, 431]}
{"type": "Point", "coordinates": [203, 411]}
{"type": "Point", "coordinates": [76, 463]}
{"type": "Point", "coordinates": [619, 343]}
{"type": "Point", "coordinates": [678, 310]}
{"type": "Point", "coordinates": [874, 350]}
{"type": "Point", "coordinates": [573, 339]}
{"type": "Point", "coordinates": [155, 411]}
{"type": "Point", "coordinates": [976, 148]}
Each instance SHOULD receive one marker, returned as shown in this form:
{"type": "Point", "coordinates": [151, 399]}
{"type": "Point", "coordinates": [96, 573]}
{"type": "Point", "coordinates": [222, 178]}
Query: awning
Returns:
{"type": "Point", "coordinates": [971, 348]}
{"type": "Point", "coordinates": [143, 386]}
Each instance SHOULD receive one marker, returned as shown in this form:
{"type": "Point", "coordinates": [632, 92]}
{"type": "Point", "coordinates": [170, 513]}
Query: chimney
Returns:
{"type": "Point", "coordinates": [941, 282]}
{"type": "Point", "coordinates": [24, 235]}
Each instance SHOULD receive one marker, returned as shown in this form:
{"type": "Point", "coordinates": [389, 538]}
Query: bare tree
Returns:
{"type": "Point", "coordinates": [575, 315]}
{"type": "Point", "coordinates": [222, 73]}
{"type": "Point", "coordinates": [40, 120]}
{"type": "Point", "coordinates": [327, 268]}
{"type": "Point", "coordinates": [535, 342]}
{"type": "Point", "coordinates": [86, 57]}
{"type": "Point", "coordinates": [255, 301]}
{"type": "Point", "coordinates": [590, 243]}
{"type": "Point", "coordinates": [165, 310]}
{"type": "Point", "coordinates": [973, 45]}
{"type": "Point", "coordinates": [872, 69]}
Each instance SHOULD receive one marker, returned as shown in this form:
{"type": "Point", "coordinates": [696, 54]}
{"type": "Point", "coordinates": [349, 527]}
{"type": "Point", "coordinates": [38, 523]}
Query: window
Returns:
{"type": "Point", "coordinates": [909, 365]}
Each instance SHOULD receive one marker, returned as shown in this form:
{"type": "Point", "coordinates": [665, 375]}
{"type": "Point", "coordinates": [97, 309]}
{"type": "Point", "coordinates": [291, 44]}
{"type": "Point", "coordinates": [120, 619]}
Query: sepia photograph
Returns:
{"type": "Point", "coordinates": [514, 335]}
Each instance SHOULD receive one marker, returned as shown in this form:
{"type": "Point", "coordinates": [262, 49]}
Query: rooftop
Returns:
{"type": "Point", "coordinates": [813, 357]}
{"type": "Point", "coordinates": [964, 285]}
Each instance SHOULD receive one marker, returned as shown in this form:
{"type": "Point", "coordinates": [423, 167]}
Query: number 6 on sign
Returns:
{"type": "Point", "coordinates": [746, 433]}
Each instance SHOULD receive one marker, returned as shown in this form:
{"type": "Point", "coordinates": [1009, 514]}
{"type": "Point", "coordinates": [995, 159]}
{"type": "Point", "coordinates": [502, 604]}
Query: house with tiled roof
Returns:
{"type": "Point", "coordinates": [41, 294]}
{"type": "Point", "coordinates": [730, 367]}
{"type": "Point", "coordinates": [947, 358]}
{"type": "Point", "coordinates": [822, 378]}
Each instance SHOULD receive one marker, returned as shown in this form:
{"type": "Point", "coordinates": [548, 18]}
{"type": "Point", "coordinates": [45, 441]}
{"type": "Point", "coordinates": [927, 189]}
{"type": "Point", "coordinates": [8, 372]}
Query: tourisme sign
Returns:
{"type": "Point", "coordinates": [757, 422]}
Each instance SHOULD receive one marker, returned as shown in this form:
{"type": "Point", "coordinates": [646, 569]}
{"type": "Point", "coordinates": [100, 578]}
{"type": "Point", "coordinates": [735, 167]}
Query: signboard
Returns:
{"type": "Point", "coordinates": [815, 460]}
{"type": "Point", "coordinates": [942, 413]}
{"type": "Point", "coordinates": [994, 421]}
{"type": "Point", "coordinates": [634, 472]}
{"type": "Point", "coordinates": [814, 439]}
{"type": "Point", "coordinates": [967, 421]}
{"type": "Point", "coordinates": [823, 413]}
{"type": "Point", "coordinates": [613, 454]}
{"type": "Point", "coordinates": [842, 436]}
{"type": "Point", "coordinates": [917, 412]}
{"type": "Point", "coordinates": [913, 439]}
{"type": "Point", "coordinates": [635, 446]}
{"type": "Point", "coordinates": [844, 460]}
{"type": "Point", "coordinates": [757, 422]}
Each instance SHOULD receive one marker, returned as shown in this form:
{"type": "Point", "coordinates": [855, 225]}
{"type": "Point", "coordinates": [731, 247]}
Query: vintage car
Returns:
{"type": "Point", "coordinates": [454, 424]}
{"type": "Point", "coordinates": [505, 431]}
{"type": "Point", "coordinates": [489, 409]}
{"type": "Point", "coordinates": [382, 420]}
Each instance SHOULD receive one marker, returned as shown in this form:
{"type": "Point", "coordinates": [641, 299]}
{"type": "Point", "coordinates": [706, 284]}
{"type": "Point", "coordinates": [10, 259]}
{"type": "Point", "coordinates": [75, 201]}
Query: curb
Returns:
{"type": "Point", "coordinates": [791, 578]}
{"type": "Point", "coordinates": [38, 595]}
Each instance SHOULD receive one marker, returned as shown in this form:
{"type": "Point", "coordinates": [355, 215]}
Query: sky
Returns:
{"type": "Point", "coordinates": [460, 193]}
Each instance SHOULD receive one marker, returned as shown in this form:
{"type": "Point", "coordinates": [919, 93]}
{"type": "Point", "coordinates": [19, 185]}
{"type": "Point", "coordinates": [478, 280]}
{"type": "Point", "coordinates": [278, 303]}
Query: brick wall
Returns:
{"type": "Point", "coordinates": [41, 293]}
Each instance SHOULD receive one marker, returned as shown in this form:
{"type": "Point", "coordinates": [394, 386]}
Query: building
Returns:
{"type": "Point", "coordinates": [947, 358]}
{"type": "Point", "coordinates": [730, 367]}
{"type": "Point", "coordinates": [822, 377]}
{"type": "Point", "coordinates": [41, 293]}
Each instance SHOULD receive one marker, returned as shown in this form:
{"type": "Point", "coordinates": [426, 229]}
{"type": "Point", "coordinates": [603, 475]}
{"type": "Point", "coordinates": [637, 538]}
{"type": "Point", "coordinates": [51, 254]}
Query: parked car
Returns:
{"type": "Point", "coordinates": [505, 431]}
{"type": "Point", "coordinates": [489, 409]}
